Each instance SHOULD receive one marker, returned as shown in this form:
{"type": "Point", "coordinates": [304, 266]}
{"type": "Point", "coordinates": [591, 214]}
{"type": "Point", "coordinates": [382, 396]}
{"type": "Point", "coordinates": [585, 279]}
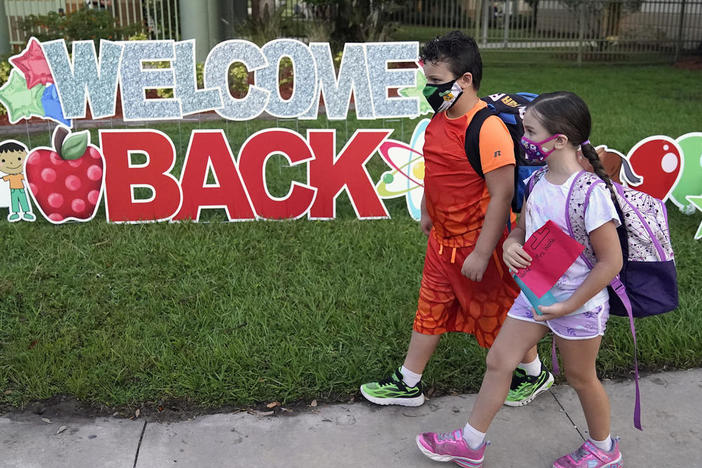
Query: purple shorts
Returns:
{"type": "Point", "coordinates": [583, 326]}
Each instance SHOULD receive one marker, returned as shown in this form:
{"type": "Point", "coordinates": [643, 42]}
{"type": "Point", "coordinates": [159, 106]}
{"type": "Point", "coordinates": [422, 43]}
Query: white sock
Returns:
{"type": "Point", "coordinates": [532, 368]}
{"type": "Point", "coordinates": [410, 378]}
{"type": "Point", "coordinates": [473, 437]}
{"type": "Point", "coordinates": [605, 445]}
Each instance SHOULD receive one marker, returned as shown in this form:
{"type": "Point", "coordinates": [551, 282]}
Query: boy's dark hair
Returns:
{"type": "Point", "coordinates": [459, 51]}
{"type": "Point", "coordinates": [11, 146]}
{"type": "Point", "coordinates": [566, 113]}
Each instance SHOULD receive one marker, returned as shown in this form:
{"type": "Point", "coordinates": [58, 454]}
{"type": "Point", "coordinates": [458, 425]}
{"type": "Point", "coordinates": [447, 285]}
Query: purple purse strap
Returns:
{"type": "Point", "coordinates": [620, 290]}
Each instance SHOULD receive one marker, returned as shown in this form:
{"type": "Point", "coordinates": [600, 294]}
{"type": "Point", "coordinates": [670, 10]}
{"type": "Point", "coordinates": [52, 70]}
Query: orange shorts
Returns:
{"type": "Point", "coordinates": [448, 301]}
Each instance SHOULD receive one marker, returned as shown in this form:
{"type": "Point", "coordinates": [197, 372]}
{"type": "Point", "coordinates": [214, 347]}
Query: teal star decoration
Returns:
{"type": "Point", "coordinates": [697, 201]}
{"type": "Point", "coordinates": [21, 103]}
{"type": "Point", "coordinates": [424, 107]}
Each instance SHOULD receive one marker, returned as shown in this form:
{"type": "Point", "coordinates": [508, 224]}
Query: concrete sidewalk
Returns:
{"type": "Point", "coordinates": [360, 435]}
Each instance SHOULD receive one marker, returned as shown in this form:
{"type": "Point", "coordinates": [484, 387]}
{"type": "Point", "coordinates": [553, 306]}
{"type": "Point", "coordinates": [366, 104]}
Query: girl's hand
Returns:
{"type": "Point", "coordinates": [553, 311]}
{"type": "Point", "coordinates": [515, 257]}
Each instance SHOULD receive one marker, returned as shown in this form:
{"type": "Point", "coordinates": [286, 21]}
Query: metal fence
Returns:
{"type": "Point", "coordinates": [159, 19]}
{"type": "Point", "coordinates": [579, 29]}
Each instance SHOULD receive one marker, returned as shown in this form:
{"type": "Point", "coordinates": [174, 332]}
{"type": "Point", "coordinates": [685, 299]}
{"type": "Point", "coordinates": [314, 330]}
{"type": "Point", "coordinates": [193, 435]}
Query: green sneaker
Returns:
{"type": "Point", "coordinates": [525, 387]}
{"type": "Point", "coordinates": [393, 391]}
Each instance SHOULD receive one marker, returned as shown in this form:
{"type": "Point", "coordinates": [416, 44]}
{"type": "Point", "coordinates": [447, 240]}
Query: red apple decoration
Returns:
{"type": "Point", "coordinates": [66, 181]}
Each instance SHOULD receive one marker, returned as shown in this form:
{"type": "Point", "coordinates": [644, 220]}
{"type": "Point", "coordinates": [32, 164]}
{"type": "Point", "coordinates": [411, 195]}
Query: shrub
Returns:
{"type": "Point", "coordinates": [82, 24]}
{"type": "Point", "coordinates": [5, 69]}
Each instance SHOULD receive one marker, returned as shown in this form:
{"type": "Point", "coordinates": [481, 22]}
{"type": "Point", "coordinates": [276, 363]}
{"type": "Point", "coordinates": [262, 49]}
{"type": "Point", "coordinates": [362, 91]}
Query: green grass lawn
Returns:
{"type": "Point", "coordinates": [216, 314]}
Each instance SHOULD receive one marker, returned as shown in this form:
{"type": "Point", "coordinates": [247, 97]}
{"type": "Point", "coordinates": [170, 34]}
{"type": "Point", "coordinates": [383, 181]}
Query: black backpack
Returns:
{"type": "Point", "coordinates": [509, 108]}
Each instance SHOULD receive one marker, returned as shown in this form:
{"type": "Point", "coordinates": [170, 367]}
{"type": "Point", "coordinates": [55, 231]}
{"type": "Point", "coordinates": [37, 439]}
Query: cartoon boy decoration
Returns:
{"type": "Point", "coordinates": [12, 156]}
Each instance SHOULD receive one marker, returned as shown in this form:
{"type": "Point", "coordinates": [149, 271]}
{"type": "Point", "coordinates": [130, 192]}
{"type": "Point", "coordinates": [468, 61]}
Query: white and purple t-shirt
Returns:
{"type": "Point", "coordinates": [548, 202]}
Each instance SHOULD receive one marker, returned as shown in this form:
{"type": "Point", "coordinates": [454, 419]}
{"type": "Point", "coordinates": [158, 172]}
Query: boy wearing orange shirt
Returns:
{"type": "Point", "coordinates": [465, 286]}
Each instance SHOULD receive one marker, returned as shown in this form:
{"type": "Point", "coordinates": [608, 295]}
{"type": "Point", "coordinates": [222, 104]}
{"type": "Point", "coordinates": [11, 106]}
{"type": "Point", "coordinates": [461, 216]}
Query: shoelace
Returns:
{"type": "Point", "coordinates": [519, 382]}
{"type": "Point", "coordinates": [516, 380]}
{"type": "Point", "coordinates": [394, 379]}
{"type": "Point", "coordinates": [584, 451]}
{"type": "Point", "coordinates": [529, 381]}
{"type": "Point", "coordinates": [580, 454]}
{"type": "Point", "coordinates": [446, 436]}
{"type": "Point", "coordinates": [386, 381]}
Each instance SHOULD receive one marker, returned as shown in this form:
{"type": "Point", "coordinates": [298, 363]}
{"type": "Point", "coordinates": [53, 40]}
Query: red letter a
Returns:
{"type": "Point", "coordinates": [228, 192]}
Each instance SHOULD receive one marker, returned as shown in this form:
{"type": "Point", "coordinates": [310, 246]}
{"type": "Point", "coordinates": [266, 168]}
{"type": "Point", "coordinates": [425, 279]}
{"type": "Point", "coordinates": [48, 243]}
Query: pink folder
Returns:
{"type": "Point", "coordinates": [552, 252]}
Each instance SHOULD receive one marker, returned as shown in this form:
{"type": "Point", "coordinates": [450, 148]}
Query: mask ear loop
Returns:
{"type": "Point", "coordinates": [542, 143]}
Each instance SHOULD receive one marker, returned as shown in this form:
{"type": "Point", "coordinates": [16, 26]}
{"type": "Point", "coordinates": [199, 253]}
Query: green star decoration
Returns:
{"type": "Point", "coordinates": [21, 103]}
{"type": "Point", "coordinates": [697, 201]}
{"type": "Point", "coordinates": [424, 107]}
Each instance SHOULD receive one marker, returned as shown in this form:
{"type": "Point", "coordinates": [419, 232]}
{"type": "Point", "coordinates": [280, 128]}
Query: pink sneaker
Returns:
{"type": "Point", "coordinates": [450, 446]}
{"type": "Point", "coordinates": [589, 456]}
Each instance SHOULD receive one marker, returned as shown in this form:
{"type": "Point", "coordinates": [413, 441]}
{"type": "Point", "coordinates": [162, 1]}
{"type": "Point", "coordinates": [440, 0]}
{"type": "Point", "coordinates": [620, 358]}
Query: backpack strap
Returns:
{"type": "Point", "coordinates": [472, 145]}
{"type": "Point", "coordinates": [533, 180]}
{"type": "Point", "coordinates": [576, 205]}
{"type": "Point", "coordinates": [620, 290]}
{"type": "Point", "coordinates": [472, 141]}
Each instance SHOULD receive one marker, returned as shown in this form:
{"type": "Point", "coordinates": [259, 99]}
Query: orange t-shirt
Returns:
{"type": "Point", "coordinates": [15, 180]}
{"type": "Point", "coordinates": [456, 196]}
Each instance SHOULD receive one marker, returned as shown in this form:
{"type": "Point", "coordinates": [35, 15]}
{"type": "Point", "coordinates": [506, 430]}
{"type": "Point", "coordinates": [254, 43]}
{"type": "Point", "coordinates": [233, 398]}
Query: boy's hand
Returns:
{"type": "Point", "coordinates": [425, 223]}
{"type": "Point", "coordinates": [475, 265]}
{"type": "Point", "coordinates": [515, 257]}
{"type": "Point", "coordinates": [553, 311]}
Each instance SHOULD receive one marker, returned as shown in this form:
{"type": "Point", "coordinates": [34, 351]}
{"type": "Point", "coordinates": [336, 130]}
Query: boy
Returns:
{"type": "Point", "coordinates": [12, 156]}
{"type": "Point", "coordinates": [465, 286]}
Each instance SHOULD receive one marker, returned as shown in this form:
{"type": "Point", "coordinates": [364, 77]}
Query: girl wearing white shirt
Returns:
{"type": "Point", "coordinates": [556, 125]}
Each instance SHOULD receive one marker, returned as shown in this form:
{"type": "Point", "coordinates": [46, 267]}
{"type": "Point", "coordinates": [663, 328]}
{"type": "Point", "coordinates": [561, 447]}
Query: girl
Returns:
{"type": "Point", "coordinates": [555, 126]}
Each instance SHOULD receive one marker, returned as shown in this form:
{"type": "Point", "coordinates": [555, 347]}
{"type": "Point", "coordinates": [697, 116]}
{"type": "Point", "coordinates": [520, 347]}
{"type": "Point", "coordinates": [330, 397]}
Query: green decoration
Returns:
{"type": "Point", "coordinates": [690, 182]}
{"type": "Point", "coordinates": [697, 203]}
{"type": "Point", "coordinates": [21, 103]}
{"type": "Point", "coordinates": [424, 107]}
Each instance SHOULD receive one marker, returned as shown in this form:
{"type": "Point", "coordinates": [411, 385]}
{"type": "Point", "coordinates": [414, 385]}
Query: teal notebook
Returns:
{"type": "Point", "coordinates": [545, 300]}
